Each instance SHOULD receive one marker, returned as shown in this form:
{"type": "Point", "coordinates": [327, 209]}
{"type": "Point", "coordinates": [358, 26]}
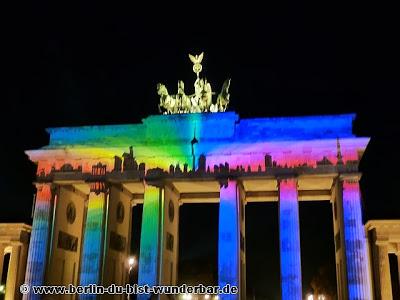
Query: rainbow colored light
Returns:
{"type": "Point", "coordinates": [228, 239]}
{"type": "Point", "coordinates": [162, 140]}
{"type": "Point", "coordinates": [289, 240]}
{"type": "Point", "coordinates": [36, 263]}
{"type": "Point", "coordinates": [165, 139]}
{"type": "Point", "coordinates": [150, 238]}
{"type": "Point", "coordinates": [92, 243]}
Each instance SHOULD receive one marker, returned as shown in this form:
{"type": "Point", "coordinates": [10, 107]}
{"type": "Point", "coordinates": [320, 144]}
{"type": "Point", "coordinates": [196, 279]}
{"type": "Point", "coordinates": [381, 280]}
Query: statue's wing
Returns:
{"type": "Point", "coordinates": [200, 57]}
{"type": "Point", "coordinates": [192, 58]}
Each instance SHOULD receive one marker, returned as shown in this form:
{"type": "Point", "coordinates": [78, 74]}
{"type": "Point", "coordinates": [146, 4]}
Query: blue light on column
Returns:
{"type": "Point", "coordinates": [36, 262]}
{"type": "Point", "coordinates": [289, 236]}
{"type": "Point", "coordinates": [228, 239]}
{"type": "Point", "coordinates": [358, 281]}
{"type": "Point", "coordinates": [92, 250]}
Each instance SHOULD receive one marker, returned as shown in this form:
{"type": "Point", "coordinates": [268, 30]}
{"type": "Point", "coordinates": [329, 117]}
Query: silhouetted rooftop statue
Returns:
{"type": "Point", "coordinates": [268, 161]}
{"type": "Point", "coordinates": [66, 168]}
{"type": "Point", "coordinates": [117, 164]}
{"type": "Point", "coordinates": [324, 161]}
{"type": "Point", "coordinates": [130, 163]}
{"type": "Point", "coordinates": [339, 154]}
{"type": "Point", "coordinates": [202, 163]}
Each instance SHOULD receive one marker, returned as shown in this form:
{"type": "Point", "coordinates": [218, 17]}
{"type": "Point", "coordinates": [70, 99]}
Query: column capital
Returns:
{"type": "Point", "coordinates": [239, 183]}
{"type": "Point", "coordinates": [286, 177]}
{"type": "Point", "coordinates": [14, 244]}
{"type": "Point", "coordinates": [39, 185]}
{"type": "Point", "coordinates": [353, 177]}
{"type": "Point", "coordinates": [80, 186]}
{"type": "Point", "coordinates": [154, 181]}
{"type": "Point", "coordinates": [382, 244]}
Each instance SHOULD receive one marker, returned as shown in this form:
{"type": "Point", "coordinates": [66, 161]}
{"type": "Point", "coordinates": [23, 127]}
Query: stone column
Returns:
{"type": "Point", "coordinates": [289, 236]}
{"type": "Point", "coordinates": [383, 266]}
{"type": "Point", "coordinates": [117, 246]}
{"type": "Point", "coordinates": [66, 241]}
{"type": "Point", "coordinates": [398, 260]}
{"type": "Point", "coordinates": [150, 239]}
{"type": "Point", "coordinates": [242, 241]}
{"type": "Point", "coordinates": [2, 247]}
{"type": "Point", "coordinates": [12, 273]}
{"type": "Point", "coordinates": [23, 254]}
{"type": "Point", "coordinates": [170, 238]}
{"type": "Point", "coordinates": [92, 253]}
{"type": "Point", "coordinates": [159, 240]}
{"type": "Point", "coordinates": [229, 237]}
{"type": "Point", "coordinates": [36, 262]}
{"type": "Point", "coordinates": [354, 252]}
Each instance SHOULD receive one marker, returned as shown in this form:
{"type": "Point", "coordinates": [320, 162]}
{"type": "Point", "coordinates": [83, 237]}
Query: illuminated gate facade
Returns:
{"type": "Point", "coordinates": [89, 178]}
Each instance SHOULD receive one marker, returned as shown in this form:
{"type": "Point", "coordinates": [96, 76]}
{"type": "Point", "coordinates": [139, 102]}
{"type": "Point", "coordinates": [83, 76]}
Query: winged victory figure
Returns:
{"type": "Point", "coordinates": [196, 60]}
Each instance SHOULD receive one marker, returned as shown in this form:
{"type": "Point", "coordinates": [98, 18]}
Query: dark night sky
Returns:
{"type": "Point", "coordinates": [68, 66]}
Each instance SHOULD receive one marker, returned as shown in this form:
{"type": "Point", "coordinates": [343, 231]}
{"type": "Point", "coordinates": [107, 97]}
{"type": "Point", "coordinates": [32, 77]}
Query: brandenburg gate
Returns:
{"type": "Point", "coordinates": [193, 152]}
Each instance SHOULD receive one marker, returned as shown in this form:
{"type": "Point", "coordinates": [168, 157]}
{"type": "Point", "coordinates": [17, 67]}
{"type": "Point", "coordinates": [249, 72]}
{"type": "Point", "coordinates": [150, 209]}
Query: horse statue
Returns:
{"type": "Point", "coordinates": [195, 99]}
{"type": "Point", "coordinates": [223, 97]}
{"type": "Point", "coordinates": [182, 98]}
{"type": "Point", "coordinates": [205, 95]}
{"type": "Point", "coordinates": [167, 103]}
